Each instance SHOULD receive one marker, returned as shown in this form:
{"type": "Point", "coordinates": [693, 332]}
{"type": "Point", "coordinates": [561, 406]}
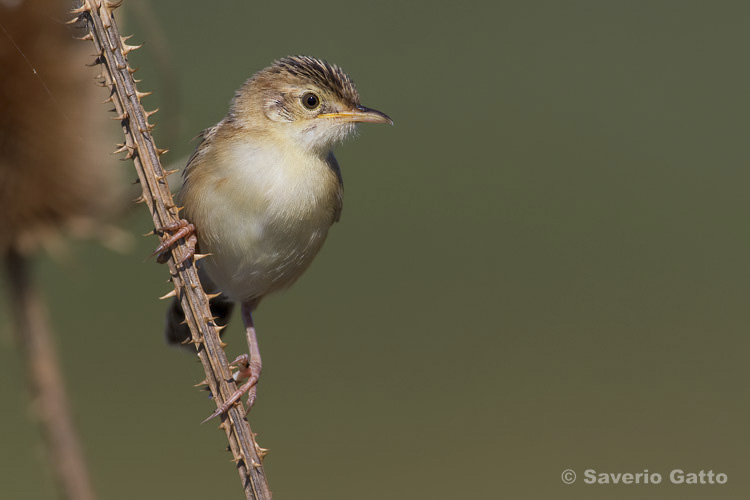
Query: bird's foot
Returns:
{"type": "Point", "coordinates": [179, 229]}
{"type": "Point", "coordinates": [246, 369]}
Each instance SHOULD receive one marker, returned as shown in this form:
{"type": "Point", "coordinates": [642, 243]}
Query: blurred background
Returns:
{"type": "Point", "coordinates": [541, 266]}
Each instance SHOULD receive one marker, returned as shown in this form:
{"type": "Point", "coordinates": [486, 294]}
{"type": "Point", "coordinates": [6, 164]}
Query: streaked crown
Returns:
{"type": "Point", "coordinates": [321, 73]}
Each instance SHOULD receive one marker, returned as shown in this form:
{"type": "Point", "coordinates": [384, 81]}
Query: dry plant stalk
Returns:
{"type": "Point", "coordinates": [50, 185]}
{"type": "Point", "coordinates": [52, 406]}
{"type": "Point", "coordinates": [139, 145]}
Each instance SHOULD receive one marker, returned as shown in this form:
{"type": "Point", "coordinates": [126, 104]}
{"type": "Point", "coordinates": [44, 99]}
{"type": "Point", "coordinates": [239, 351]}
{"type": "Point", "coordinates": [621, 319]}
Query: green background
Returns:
{"type": "Point", "coordinates": [541, 266]}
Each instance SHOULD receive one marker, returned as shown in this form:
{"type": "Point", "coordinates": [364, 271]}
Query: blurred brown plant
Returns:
{"type": "Point", "coordinates": [52, 181]}
{"type": "Point", "coordinates": [52, 177]}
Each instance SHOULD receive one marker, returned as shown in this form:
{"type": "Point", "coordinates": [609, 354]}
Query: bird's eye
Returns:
{"type": "Point", "coordinates": [310, 101]}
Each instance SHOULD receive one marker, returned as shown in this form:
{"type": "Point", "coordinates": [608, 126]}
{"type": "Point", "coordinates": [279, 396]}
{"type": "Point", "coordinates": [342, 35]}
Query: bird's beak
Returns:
{"type": "Point", "coordinates": [359, 114]}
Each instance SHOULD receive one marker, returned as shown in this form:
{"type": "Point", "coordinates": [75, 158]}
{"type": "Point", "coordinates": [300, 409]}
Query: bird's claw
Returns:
{"type": "Point", "coordinates": [242, 364]}
{"type": "Point", "coordinates": [244, 371]}
{"type": "Point", "coordinates": [179, 229]}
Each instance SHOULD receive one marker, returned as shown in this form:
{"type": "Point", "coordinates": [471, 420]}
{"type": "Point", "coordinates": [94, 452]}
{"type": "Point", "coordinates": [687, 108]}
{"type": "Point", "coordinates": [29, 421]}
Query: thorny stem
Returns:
{"type": "Point", "coordinates": [46, 382]}
{"type": "Point", "coordinates": [117, 76]}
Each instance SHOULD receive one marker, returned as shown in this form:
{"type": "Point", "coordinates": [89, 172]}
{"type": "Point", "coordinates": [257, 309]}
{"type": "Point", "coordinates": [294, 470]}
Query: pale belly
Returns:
{"type": "Point", "coordinates": [251, 260]}
{"type": "Point", "coordinates": [262, 223]}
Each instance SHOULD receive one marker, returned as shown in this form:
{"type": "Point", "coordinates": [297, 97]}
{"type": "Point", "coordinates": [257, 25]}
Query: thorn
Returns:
{"type": "Point", "coordinates": [137, 181]}
{"type": "Point", "coordinates": [183, 322]}
{"type": "Point", "coordinates": [127, 49]}
{"type": "Point", "coordinates": [212, 295]}
{"type": "Point", "coordinates": [160, 152]}
{"type": "Point", "coordinates": [96, 62]}
{"type": "Point", "coordinates": [124, 39]}
{"type": "Point", "coordinates": [131, 70]}
{"type": "Point", "coordinates": [223, 345]}
{"type": "Point", "coordinates": [113, 5]}
{"type": "Point", "coordinates": [109, 99]}
{"type": "Point", "coordinates": [200, 256]}
{"type": "Point", "coordinates": [178, 209]}
{"type": "Point", "coordinates": [220, 328]}
{"type": "Point", "coordinates": [201, 383]}
{"type": "Point", "coordinates": [140, 199]}
{"type": "Point", "coordinates": [87, 36]}
{"type": "Point", "coordinates": [122, 148]}
{"type": "Point", "coordinates": [80, 10]}
{"type": "Point", "coordinates": [170, 172]}
{"type": "Point", "coordinates": [141, 95]}
{"type": "Point", "coordinates": [150, 126]}
{"type": "Point", "coordinates": [149, 113]}
{"type": "Point", "coordinates": [136, 80]}
{"type": "Point", "coordinates": [173, 293]}
{"type": "Point", "coordinates": [122, 117]}
{"type": "Point", "coordinates": [131, 153]}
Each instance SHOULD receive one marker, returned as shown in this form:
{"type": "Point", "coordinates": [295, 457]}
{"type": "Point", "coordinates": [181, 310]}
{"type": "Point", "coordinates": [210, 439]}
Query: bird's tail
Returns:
{"type": "Point", "coordinates": [177, 331]}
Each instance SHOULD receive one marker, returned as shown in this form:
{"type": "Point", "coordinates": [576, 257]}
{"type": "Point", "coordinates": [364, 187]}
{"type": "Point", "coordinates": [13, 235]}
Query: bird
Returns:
{"type": "Point", "coordinates": [261, 191]}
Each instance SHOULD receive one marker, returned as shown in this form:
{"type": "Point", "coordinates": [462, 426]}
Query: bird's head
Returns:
{"type": "Point", "coordinates": [304, 100]}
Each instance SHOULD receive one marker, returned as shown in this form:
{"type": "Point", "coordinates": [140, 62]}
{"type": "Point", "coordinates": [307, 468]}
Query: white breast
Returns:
{"type": "Point", "coordinates": [263, 215]}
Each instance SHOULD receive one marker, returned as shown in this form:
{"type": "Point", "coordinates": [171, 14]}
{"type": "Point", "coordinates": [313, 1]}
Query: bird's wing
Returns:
{"type": "Point", "coordinates": [339, 203]}
{"type": "Point", "coordinates": [205, 136]}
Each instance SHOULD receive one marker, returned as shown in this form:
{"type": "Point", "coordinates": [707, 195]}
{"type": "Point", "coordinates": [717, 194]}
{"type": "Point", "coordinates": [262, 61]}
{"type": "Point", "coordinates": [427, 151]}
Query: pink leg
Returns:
{"type": "Point", "coordinates": [248, 366]}
{"type": "Point", "coordinates": [179, 229]}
